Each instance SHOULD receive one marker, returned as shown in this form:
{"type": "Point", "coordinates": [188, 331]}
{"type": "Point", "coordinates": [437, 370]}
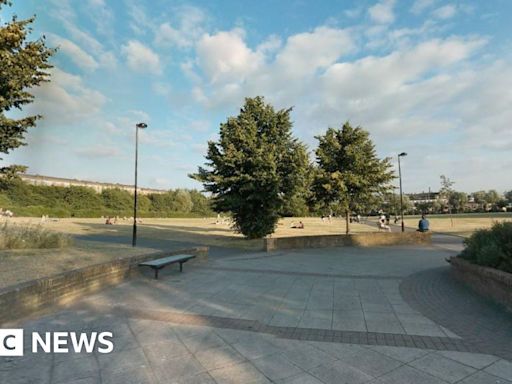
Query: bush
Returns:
{"type": "Point", "coordinates": [491, 247]}
{"type": "Point", "coordinates": [14, 236]}
{"type": "Point", "coordinates": [76, 201]}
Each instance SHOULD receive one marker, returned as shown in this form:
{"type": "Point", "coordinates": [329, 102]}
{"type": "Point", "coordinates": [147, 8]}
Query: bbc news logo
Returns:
{"type": "Point", "coordinates": [12, 342]}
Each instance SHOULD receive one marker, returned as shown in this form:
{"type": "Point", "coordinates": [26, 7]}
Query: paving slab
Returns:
{"type": "Point", "coordinates": [307, 316]}
{"type": "Point", "coordinates": [501, 368]}
{"type": "Point", "coordinates": [442, 367]}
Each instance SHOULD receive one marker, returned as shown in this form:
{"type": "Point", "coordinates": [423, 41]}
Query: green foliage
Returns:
{"type": "Point", "coordinates": [349, 172]}
{"type": "Point", "coordinates": [200, 204]}
{"type": "Point", "coordinates": [491, 247]}
{"type": "Point", "coordinates": [23, 65]}
{"type": "Point", "coordinates": [117, 199]}
{"type": "Point", "coordinates": [77, 201]}
{"type": "Point", "coordinates": [490, 200]}
{"type": "Point", "coordinates": [181, 201]}
{"type": "Point", "coordinates": [255, 167]}
{"type": "Point", "coordinates": [458, 201]}
{"type": "Point", "coordinates": [14, 236]}
{"type": "Point", "coordinates": [392, 203]}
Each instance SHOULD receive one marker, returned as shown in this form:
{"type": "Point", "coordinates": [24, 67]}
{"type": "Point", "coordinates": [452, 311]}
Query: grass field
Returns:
{"type": "Point", "coordinates": [460, 224]}
{"type": "Point", "coordinates": [27, 264]}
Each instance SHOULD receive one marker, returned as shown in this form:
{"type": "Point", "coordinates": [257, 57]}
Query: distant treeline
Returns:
{"type": "Point", "coordinates": [75, 201]}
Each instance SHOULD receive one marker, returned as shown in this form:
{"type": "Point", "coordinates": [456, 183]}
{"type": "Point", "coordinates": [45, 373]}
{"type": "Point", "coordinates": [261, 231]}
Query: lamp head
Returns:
{"type": "Point", "coordinates": [402, 154]}
{"type": "Point", "coordinates": [141, 125]}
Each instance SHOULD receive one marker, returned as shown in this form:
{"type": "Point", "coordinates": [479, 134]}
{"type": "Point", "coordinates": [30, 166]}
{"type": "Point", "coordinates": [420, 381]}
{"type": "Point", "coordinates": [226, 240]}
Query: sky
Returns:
{"type": "Point", "coordinates": [431, 78]}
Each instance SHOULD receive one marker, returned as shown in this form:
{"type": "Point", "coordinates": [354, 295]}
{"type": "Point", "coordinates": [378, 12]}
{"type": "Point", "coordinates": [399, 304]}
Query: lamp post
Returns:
{"type": "Point", "coordinates": [401, 195]}
{"type": "Point", "coordinates": [134, 235]}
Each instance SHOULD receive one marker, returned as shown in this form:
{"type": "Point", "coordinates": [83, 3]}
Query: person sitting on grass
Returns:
{"type": "Point", "coordinates": [423, 224]}
{"type": "Point", "coordinates": [298, 226]}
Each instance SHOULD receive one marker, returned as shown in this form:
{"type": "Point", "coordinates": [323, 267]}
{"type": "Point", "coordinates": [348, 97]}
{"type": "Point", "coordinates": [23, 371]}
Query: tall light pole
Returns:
{"type": "Point", "coordinates": [134, 235]}
{"type": "Point", "coordinates": [401, 195]}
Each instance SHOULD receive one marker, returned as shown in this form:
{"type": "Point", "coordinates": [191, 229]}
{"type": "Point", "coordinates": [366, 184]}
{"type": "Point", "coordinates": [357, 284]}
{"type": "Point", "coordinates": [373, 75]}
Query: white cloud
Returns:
{"type": "Point", "coordinates": [445, 12]}
{"type": "Point", "coordinates": [270, 45]}
{"type": "Point", "coordinates": [224, 57]}
{"type": "Point", "coordinates": [305, 53]}
{"type": "Point", "coordinates": [234, 71]}
{"type": "Point", "coordinates": [382, 12]}
{"type": "Point", "coordinates": [65, 13]}
{"type": "Point", "coordinates": [381, 90]}
{"type": "Point", "coordinates": [77, 55]}
{"type": "Point", "coordinates": [186, 31]}
{"type": "Point", "coordinates": [102, 16]}
{"type": "Point", "coordinates": [420, 5]}
{"type": "Point", "coordinates": [66, 99]}
{"type": "Point", "coordinates": [141, 58]}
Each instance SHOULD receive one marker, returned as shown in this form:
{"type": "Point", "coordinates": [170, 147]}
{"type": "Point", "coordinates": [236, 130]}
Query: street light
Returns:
{"type": "Point", "coordinates": [401, 196]}
{"type": "Point", "coordinates": [134, 235]}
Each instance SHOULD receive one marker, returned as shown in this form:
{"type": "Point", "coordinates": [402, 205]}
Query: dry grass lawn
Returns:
{"type": "Point", "coordinates": [457, 224]}
{"type": "Point", "coordinates": [28, 264]}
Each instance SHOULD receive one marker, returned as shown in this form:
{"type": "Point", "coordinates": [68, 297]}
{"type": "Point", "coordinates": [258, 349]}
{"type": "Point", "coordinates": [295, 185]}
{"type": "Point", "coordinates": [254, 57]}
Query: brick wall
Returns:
{"type": "Point", "coordinates": [489, 282]}
{"type": "Point", "coordinates": [22, 300]}
{"type": "Point", "coordinates": [361, 240]}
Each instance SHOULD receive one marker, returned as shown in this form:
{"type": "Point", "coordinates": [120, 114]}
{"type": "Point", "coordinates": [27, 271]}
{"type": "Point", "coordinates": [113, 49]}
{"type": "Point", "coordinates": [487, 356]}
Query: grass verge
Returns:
{"type": "Point", "coordinates": [18, 236]}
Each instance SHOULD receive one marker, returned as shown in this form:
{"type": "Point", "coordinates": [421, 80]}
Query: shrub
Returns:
{"type": "Point", "coordinates": [491, 247]}
{"type": "Point", "coordinates": [13, 236]}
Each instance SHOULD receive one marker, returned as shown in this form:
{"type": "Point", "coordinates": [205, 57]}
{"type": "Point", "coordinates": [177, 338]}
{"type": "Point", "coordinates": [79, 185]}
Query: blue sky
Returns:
{"type": "Point", "coordinates": [428, 77]}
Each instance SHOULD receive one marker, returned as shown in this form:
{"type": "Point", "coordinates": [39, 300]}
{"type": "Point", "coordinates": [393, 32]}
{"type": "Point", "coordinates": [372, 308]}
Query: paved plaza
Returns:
{"type": "Point", "coordinates": [339, 315]}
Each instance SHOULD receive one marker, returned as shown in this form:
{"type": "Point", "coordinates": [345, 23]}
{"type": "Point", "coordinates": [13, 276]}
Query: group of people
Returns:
{"type": "Point", "coordinates": [6, 213]}
{"type": "Point", "coordinates": [423, 224]}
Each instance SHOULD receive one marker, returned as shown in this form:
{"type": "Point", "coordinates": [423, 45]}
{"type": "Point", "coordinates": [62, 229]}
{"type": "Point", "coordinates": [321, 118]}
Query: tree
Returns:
{"type": "Point", "coordinates": [392, 203]}
{"type": "Point", "coordinates": [23, 65]}
{"type": "Point", "coordinates": [117, 199]}
{"type": "Point", "coordinates": [458, 201]}
{"type": "Point", "coordinates": [200, 203]}
{"type": "Point", "coordinates": [446, 190]}
{"type": "Point", "coordinates": [508, 196]}
{"type": "Point", "coordinates": [254, 167]}
{"type": "Point", "coordinates": [488, 200]}
{"type": "Point", "coordinates": [492, 197]}
{"type": "Point", "coordinates": [181, 201]}
{"type": "Point", "coordinates": [349, 172]}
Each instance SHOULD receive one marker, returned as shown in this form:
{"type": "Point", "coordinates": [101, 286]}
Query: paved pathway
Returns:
{"type": "Point", "coordinates": [345, 315]}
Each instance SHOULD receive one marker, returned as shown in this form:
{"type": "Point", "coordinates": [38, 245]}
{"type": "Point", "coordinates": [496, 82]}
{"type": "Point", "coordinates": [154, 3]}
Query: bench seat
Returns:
{"type": "Point", "coordinates": [158, 264]}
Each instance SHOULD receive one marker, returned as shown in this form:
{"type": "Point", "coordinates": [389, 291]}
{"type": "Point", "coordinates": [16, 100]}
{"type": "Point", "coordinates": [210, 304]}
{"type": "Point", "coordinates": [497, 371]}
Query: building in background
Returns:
{"type": "Point", "coordinates": [97, 186]}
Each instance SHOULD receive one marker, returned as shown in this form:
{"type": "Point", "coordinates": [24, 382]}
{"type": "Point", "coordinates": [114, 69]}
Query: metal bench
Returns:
{"type": "Point", "coordinates": [158, 264]}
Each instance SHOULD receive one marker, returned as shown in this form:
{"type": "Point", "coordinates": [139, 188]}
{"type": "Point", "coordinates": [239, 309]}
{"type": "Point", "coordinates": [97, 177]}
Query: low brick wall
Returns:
{"type": "Point", "coordinates": [361, 240]}
{"type": "Point", "coordinates": [488, 282]}
{"type": "Point", "coordinates": [22, 300]}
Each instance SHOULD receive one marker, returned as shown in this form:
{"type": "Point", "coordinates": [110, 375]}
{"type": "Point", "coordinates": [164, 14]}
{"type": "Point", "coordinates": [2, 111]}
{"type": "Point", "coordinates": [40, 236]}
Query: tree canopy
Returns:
{"type": "Point", "coordinates": [23, 65]}
{"type": "Point", "coordinates": [255, 167]}
{"type": "Point", "coordinates": [350, 173]}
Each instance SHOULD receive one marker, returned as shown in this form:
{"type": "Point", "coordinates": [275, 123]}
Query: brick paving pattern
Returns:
{"type": "Point", "coordinates": [440, 297]}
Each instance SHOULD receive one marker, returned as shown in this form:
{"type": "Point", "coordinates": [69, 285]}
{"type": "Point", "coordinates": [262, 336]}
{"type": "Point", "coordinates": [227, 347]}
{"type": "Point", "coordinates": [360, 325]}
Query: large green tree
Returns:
{"type": "Point", "coordinates": [392, 203]}
{"type": "Point", "coordinates": [458, 201]}
{"type": "Point", "coordinates": [255, 167]}
{"type": "Point", "coordinates": [23, 65]}
{"type": "Point", "coordinates": [350, 174]}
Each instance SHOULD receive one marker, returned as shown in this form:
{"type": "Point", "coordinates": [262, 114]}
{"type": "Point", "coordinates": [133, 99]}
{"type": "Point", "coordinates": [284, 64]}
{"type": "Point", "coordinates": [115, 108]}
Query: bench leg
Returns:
{"type": "Point", "coordinates": [181, 266]}
{"type": "Point", "coordinates": [156, 273]}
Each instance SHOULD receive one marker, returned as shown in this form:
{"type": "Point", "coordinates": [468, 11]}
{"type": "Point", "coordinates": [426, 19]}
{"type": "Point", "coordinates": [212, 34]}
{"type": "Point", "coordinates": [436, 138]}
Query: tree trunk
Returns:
{"type": "Point", "coordinates": [347, 220]}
